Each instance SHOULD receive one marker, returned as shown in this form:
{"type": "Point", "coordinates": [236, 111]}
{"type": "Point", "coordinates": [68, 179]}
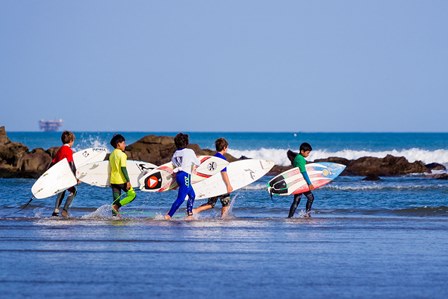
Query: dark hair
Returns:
{"type": "Point", "coordinates": [181, 140]}
{"type": "Point", "coordinates": [116, 139]}
{"type": "Point", "coordinates": [221, 144]}
{"type": "Point", "coordinates": [67, 137]}
{"type": "Point", "coordinates": [305, 147]}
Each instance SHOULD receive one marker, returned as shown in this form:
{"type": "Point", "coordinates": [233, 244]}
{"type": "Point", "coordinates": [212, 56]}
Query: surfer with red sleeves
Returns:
{"type": "Point", "coordinates": [65, 151]}
{"type": "Point", "coordinates": [300, 162]}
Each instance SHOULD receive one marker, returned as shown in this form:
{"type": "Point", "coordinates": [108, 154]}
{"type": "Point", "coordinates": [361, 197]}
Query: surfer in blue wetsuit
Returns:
{"type": "Point", "coordinates": [300, 162]}
{"type": "Point", "coordinates": [185, 161]}
{"type": "Point", "coordinates": [221, 146]}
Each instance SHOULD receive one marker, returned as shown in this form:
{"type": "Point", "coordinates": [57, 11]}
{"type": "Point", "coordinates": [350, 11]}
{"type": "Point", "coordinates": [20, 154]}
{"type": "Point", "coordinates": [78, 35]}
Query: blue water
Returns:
{"type": "Point", "coordinates": [384, 239]}
{"type": "Point", "coordinates": [426, 147]}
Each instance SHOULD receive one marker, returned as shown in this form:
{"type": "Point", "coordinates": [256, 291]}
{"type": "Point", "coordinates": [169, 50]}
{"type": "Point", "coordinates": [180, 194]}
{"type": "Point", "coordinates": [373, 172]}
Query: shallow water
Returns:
{"type": "Point", "coordinates": [338, 257]}
{"type": "Point", "coordinates": [383, 239]}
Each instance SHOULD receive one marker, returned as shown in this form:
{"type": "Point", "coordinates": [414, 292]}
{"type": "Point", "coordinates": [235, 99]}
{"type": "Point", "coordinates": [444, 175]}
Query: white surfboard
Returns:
{"type": "Point", "coordinates": [60, 176]}
{"type": "Point", "coordinates": [89, 155]}
{"type": "Point", "coordinates": [163, 177]}
{"type": "Point", "coordinates": [55, 180]}
{"type": "Point", "coordinates": [98, 174]}
{"type": "Point", "coordinates": [241, 173]}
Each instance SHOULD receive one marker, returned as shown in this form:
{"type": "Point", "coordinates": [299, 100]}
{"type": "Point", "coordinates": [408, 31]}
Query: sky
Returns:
{"type": "Point", "coordinates": [235, 65]}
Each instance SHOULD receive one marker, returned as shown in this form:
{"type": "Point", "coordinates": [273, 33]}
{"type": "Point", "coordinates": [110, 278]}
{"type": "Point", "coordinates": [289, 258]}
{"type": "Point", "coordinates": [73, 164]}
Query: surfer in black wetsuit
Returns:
{"type": "Point", "coordinates": [298, 160]}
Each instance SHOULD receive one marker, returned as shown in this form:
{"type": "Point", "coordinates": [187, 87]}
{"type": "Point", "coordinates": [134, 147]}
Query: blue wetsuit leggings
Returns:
{"type": "Point", "coordinates": [185, 188]}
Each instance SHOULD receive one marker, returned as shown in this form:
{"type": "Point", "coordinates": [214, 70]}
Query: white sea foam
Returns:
{"type": "Point", "coordinates": [255, 186]}
{"type": "Point", "coordinates": [90, 142]}
{"type": "Point", "coordinates": [412, 154]}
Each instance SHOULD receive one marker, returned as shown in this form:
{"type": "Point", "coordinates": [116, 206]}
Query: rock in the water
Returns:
{"type": "Point", "coordinates": [371, 177]}
{"type": "Point", "coordinates": [435, 166]}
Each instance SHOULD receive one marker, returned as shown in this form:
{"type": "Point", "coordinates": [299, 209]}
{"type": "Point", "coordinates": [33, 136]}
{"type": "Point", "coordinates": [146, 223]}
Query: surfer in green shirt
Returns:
{"type": "Point", "coordinates": [300, 162]}
{"type": "Point", "coordinates": [119, 177]}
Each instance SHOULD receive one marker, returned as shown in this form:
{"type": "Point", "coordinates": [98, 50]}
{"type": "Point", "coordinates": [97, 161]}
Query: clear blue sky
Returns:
{"type": "Point", "coordinates": [300, 66]}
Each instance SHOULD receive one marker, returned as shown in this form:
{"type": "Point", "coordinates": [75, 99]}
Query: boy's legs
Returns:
{"type": "Point", "coordinates": [210, 204]}
{"type": "Point", "coordinates": [294, 204]}
{"type": "Point", "coordinates": [309, 195]}
{"type": "Point", "coordinates": [130, 196]}
{"type": "Point", "coordinates": [68, 201]}
{"type": "Point", "coordinates": [190, 202]}
{"type": "Point", "coordinates": [57, 203]}
{"type": "Point", "coordinates": [116, 192]}
{"type": "Point", "coordinates": [225, 202]}
{"type": "Point", "coordinates": [183, 182]}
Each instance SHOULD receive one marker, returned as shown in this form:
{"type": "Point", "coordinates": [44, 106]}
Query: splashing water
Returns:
{"type": "Point", "coordinates": [103, 212]}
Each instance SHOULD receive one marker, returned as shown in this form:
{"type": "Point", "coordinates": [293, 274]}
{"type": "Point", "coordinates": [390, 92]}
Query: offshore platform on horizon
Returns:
{"type": "Point", "coordinates": [50, 125]}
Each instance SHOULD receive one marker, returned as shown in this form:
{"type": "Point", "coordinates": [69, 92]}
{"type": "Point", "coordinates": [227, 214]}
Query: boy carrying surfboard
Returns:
{"type": "Point", "coordinates": [300, 162]}
{"type": "Point", "coordinates": [65, 152]}
{"type": "Point", "coordinates": [221, 146]}
{"type": "Point", "coordinates": [119, 177]}
{"type": "Point", "coordinates": [185, 160]}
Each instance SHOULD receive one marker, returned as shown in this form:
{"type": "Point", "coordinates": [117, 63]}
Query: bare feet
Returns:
{"type": "Point", "coordinates": [64, 214]}
{"type": "Point", "coordinates": [115, 209]}
{"type": "Point", "coordinates": [224, 212]}
{"type": "Point", "coordinates": [167, 217]}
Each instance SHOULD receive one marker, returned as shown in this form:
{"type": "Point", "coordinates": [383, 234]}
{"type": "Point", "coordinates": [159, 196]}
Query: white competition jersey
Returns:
{"type": "Point", "coordinates": [184, 159]}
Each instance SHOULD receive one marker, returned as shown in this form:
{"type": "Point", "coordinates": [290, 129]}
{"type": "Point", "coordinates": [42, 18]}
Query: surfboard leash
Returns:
{"type": "Point", "coordinates": [23, 207]}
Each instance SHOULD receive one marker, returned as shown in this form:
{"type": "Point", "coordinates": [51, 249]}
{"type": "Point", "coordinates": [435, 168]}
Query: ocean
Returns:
{"type": "Point", "coordinates": [365, 239]}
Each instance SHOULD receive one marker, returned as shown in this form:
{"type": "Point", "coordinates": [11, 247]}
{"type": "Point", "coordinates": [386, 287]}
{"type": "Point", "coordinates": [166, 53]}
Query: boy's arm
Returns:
{"type": "Point", "coordinates": [124, 170]}
{"type": "Point", "coordinates": [306, 177]}
{"type": "Point", "coordinates": [73, 167]}
{"type": "Point", "coordinates": [301, 164]}
{"type": "Point", "coordinates": [225, 178]}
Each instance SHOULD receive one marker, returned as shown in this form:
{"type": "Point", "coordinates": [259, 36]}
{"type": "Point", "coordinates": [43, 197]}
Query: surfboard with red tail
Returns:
{"type": "Point", "coordinates": [293, 182]}
{"type": "Point", "coordinates": [163, 178]}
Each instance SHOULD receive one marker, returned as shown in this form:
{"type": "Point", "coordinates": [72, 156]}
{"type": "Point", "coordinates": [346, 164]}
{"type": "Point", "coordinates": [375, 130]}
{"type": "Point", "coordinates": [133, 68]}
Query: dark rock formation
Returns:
{"type": "Point", "coordinates": [372, 177]}
{"type": "Point", "coordinates": [442, 176]}
{"type": "Point", "coordinates": [3, 138]}
{"type": "Point", "coordinates": [387, 166]}
{"type": "Point", "coordinates": [435, 166]}
{"type": "Point", "coordinates": [11, 155]}
{"type": "Point", "coordinates": [35, 163]}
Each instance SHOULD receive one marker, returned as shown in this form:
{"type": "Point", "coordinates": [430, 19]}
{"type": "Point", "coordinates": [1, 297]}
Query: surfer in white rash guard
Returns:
{"type": "Point", "coordinates": [185, 160]}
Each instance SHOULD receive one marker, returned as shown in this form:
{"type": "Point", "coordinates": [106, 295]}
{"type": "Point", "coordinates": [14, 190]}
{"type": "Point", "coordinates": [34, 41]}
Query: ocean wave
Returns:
{"type": "Point", "coordinates": [91, 141]}
{"type": "Point", "coordinates": [412, 154]}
